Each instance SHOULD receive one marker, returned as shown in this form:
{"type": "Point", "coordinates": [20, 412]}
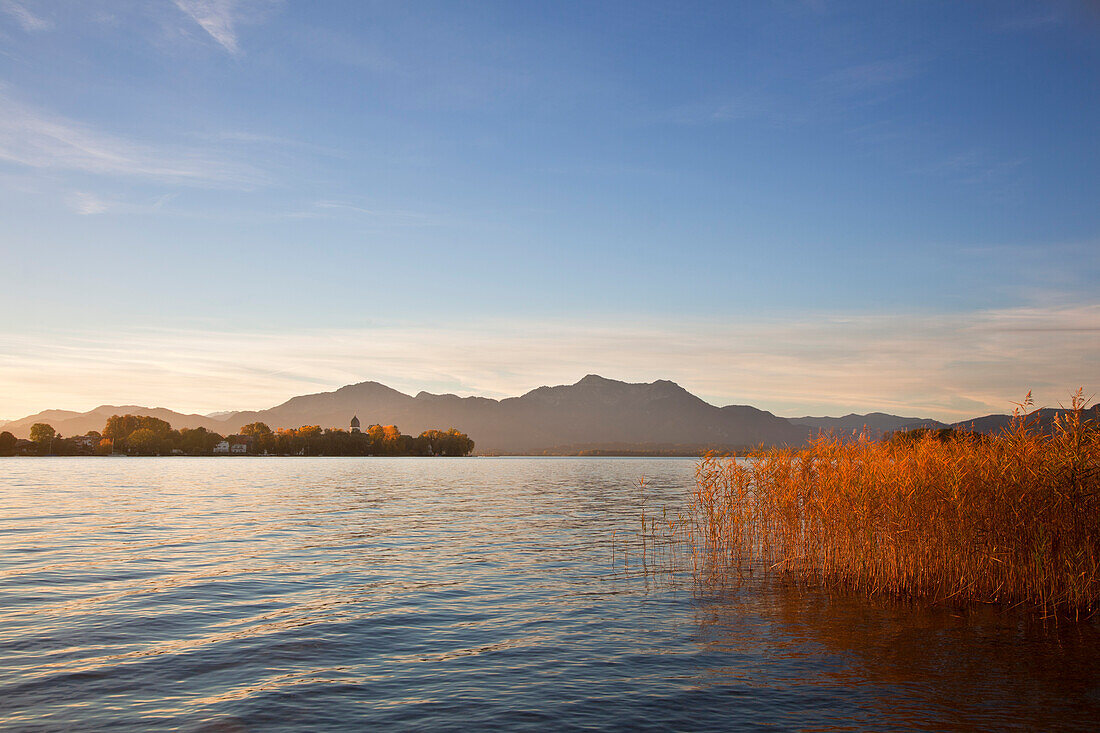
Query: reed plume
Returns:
{"type": "Point", "coordinates": [1009, 518]}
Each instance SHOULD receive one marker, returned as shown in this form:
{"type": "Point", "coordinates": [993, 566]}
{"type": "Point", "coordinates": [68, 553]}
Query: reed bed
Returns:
{"type": "Point", "coordinates": [1012, 518]}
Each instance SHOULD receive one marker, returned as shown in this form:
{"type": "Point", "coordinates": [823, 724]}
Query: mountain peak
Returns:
{"type": "Point", "coordinates": [367, 386]}
{"type": "Point", "coordinates": [668, 386]}
{"type": "Point", "coordinates": [595, 379]}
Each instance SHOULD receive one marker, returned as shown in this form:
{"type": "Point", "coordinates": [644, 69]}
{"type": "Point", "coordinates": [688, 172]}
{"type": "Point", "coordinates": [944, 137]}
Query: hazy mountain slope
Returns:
{"type": "Point", "coordinates": [876, 423]}
{"type": "Point", "coordinates": [68, 423]}
{"type": "Point", "coordinates": [327, 409]}
{"type": "Point", "coordinates": [594, 410]}
{"type": "Point", "coordinates": [1044, 420]}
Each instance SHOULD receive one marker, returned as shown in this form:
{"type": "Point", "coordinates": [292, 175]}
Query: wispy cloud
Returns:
{"type": "Point", "coordinates": [831, 95]}
{"type": "Point", "coordinates": [873, 76]}
{"type": "Point", "coordinates": [216, 18]}
{"type": "Point", "coordinates": [943, 366]}
{"type": "Point", "coordinates": [86, 203]}
{"type": "Point", "coordinates": [974, 167]}
{"type": "Point", "coordinates": [26, 19]}
{"type": "Point", "coordinates": [221, 18]}
{"type": "Point", "coordinates": [722, 109]}
{"type": "Point", "coordinates": [1044, 17]}
{"type": "Point", "coordinates": [407, 217]}
{"type": "Point", "coordinates": [389, 217]}
{"type": "Point", "coordinates": [36, 139]}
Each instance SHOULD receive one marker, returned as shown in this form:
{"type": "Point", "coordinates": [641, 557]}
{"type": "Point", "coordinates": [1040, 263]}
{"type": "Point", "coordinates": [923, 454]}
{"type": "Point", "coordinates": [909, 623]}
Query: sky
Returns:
{"type": "Point", "coordinates": [810, 207]}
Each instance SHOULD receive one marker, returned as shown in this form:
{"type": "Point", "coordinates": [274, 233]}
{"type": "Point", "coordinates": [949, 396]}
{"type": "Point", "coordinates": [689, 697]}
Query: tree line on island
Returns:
{"type": "Point", "coordinates": [139, 435]}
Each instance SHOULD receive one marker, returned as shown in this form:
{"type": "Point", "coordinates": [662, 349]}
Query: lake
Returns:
{"type": "Point", "coordinates": [239, 594]}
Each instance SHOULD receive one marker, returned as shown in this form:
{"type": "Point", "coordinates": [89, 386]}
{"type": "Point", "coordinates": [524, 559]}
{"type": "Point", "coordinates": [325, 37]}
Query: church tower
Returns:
{"type": "Point", "coordinates": [355, 424]}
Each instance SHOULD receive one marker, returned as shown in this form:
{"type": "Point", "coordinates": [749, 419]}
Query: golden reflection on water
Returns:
{"type": "Point", "coordinates": [915, 665]}
{"type": "Point", "coordinates": [347, 593]}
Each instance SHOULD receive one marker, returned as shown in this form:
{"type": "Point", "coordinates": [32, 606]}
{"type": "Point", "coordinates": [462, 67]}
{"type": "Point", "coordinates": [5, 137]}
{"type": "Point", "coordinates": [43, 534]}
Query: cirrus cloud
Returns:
{"type": "Point", "coordinates": [34, 138]}
{"type": "Point", "coordinates": [220, 18]}
{"type": "Point", "coordinates": [945, 366]}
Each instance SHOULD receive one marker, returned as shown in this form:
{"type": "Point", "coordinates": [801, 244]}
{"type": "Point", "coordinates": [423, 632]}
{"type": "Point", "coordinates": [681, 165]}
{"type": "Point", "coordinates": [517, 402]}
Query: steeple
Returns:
{"type": "Point", "coordinates": [355, 424]}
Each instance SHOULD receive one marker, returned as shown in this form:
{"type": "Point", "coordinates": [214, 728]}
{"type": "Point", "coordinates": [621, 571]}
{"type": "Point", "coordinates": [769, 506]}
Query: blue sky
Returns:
{"type": "Point", "coordinates": [812, 207]}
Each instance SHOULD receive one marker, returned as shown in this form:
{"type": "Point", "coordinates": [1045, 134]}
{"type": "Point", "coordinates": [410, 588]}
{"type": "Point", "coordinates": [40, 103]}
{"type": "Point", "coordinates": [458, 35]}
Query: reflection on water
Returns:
{"type": "Point", "coordinates": [252, 594]}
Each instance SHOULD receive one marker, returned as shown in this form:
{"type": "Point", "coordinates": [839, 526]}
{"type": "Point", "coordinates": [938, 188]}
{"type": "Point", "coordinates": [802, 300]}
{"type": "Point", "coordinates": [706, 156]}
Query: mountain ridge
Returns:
{"type": "Point", "coordinates": [69, 422]}
{"type": "Point", "coordinates": [593, 412]}
{"type": "Point", "coordinates": [875, 424]}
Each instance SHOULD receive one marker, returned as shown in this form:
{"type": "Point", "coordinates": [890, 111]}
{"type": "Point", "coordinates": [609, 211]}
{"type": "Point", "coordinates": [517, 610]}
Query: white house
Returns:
{"type": "Point", "coordinates": [238, 448]}
{"type": "Point", "coordinates": [222, 447]}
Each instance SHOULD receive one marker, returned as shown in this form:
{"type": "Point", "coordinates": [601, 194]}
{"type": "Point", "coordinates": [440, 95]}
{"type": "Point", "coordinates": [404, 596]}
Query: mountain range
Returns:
{"type": "Point", "coordinates": [595, 414]}
{"type": "Point", "coordinates": [875, 424]}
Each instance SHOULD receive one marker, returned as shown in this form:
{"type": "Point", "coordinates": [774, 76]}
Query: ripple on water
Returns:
{"type": "Point", "coordinates": [242, 594]}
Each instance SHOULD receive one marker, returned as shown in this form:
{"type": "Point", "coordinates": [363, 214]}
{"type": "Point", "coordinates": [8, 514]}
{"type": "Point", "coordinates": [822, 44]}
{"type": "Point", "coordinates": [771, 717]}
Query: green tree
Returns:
{"type": "Point", "coordinates": [198, 441]}
{"type": "Point", "coordinates": [7, 443]}
{"type": "Point", "coordinates": [144, 441]}
{"type": "Point", "coordinates": [42, 433]}
{"type": "Point", "coordinates": [159, 427]}
{"type": "Point", "coordinates": [118, 427]}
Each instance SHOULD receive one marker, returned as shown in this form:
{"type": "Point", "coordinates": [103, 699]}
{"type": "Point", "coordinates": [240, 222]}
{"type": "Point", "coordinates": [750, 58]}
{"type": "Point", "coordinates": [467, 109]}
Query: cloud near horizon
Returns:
{"type": "Point", "coordinates": [948, 367]}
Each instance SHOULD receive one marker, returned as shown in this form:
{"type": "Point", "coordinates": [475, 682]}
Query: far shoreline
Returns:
{"type": "Point", "coordinates": [508, 455]}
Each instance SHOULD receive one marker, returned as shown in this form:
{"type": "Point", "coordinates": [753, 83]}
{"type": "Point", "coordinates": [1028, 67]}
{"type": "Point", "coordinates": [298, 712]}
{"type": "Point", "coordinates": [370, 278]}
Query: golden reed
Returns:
{"type": "Point", "coordinates": [1011, 518]}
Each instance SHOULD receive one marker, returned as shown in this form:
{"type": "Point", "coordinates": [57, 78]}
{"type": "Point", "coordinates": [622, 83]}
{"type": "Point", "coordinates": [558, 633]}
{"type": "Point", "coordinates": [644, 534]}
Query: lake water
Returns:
{"type": "Point", "coordinates": [458, 594]}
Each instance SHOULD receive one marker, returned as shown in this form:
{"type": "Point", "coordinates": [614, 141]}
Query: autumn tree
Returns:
{"type": "Point", "coordinates": [160, 428]}
{"type": "Point", "coordinates": [118, 427]}
{"type": "Point", "coordinates": [260, 435]}
{"type": "Point", "coordinates": [308, 436]}
{"type": "Point", "coordinates": [440, 443]}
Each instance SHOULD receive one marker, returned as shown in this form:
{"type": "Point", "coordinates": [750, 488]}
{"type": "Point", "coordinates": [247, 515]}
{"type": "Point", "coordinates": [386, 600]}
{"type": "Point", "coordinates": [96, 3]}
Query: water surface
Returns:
{"type": "Point", "coordinates": [239, 594]}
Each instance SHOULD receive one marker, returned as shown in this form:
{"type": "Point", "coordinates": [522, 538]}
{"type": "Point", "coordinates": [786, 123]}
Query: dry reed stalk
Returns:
{"type": "Point", "coordinates": [1010, 518]}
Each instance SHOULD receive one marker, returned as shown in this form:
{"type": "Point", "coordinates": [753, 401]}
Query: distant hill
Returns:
{"type": "Point", "coordinates": [594, 411]}
{"type": "Point", "coordinates": [1044, 420]}
{"type": "Point", "coordinates": [877, 424]}
{"type": "Point", "coordinates": [67, 422]}
{"type": "Point", "coordinates": [594, 415]}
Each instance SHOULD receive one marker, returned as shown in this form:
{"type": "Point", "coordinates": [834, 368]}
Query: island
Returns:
{"type": "Point", "coordinates": [139, 435]}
